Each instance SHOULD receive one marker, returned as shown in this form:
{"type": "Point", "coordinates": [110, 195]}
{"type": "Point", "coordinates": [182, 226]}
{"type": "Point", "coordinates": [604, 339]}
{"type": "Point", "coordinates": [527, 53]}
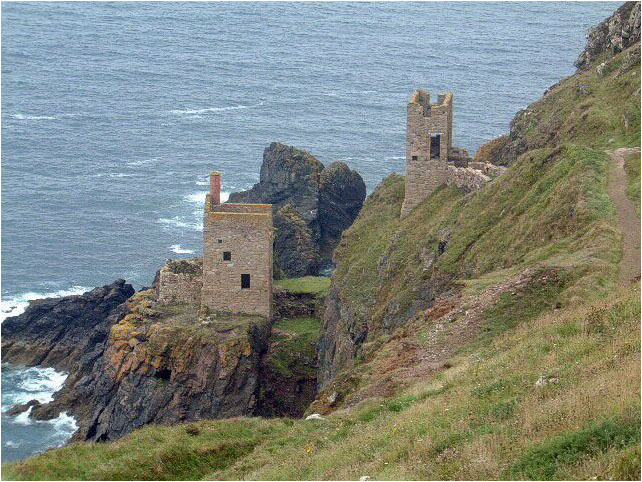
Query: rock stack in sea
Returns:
{"type": "Point", "coordinates": [313, 205]}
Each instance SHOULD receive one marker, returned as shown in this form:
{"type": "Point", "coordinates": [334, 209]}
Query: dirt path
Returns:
{"type": "Point", "coordinates": [627, 216]}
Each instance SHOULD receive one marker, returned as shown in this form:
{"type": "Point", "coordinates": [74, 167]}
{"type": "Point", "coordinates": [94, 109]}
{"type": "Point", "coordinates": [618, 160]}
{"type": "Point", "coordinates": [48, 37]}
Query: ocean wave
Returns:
{"type": "Point", "coordinates": [32, 117]}
{"type": "Point", "coordinates": [176, 248]}
{"type": "Point", "coordinates": [63, 424]}
{"type": "Point", "coordinates": [199, 197]}
{"type": "Point", "coordinates": [181, 222]}
{"type": "Point", "coordinates": [207, 110]}
{"type": "Point", "coordinates": [142, 162]}
{"type": "Point", "coordinates": [16, 305]}
{"type": "Point", "coordinates": [24, 418]}
{"type": "Point", "coordinates": [394, 158]}
{"type": "Point", "coordinates": [11, 444]}
{"type": "Point", "coordinates": [34, 383]}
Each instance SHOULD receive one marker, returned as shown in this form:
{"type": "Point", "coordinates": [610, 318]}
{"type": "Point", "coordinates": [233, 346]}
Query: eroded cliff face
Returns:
{"type": "Point", "coordinates": [313, 205]}
{"type": "Point", "coordinates": [161, 363]}
{"type": "Point", "coordinates": [134, 359]}
{"type": "Point", "coordinates": [613, 35]}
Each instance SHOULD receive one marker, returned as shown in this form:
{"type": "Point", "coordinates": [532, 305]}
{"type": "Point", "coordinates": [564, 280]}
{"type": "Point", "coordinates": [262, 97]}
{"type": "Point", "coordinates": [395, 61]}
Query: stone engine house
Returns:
{"type": "Point", "coordinates": [428, 145]}
{"type": "Point", "coordinates": [431, 159]}
{"type": "Point", "coordinates": [237, 255]}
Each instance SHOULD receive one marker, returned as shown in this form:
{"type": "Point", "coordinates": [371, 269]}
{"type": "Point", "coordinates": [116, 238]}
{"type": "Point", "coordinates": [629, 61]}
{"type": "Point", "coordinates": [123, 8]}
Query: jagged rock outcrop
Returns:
{"type": "Point", "coordinates": [162, 364]}
{"type": "Point", "coordinates": [58, 332]}
{"type": "Point", "coordinates": [295, 252]}
{"type": "Point", "coordinates": [326, 199]}
{"type": "Point", "coordinates": [613, 35]}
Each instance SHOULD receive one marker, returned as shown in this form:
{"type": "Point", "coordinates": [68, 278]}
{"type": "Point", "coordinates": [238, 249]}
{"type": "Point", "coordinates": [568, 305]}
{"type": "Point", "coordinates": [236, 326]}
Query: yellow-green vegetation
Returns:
{"type": "Point", "coordinates": [551, 207]}
{"type": "Point", "coordinates": [293, 352]}
{"type": "Point", "coordinates": [483, 418]}
{"type": "Point", "coordinates": [317, 285]}
{"type": "Point", "coordinates": [632, 167]}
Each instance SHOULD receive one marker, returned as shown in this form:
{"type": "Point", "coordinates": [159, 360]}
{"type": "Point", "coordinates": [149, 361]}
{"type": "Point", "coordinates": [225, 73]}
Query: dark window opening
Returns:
{"type": "Point", "coordinates": [220, 241]}
{"type": "Point", "coordinates": [414, 158]}
{"type": "Point", "coordinates": [435, 142]}
{"type": "Point", "coordinates": [163, 374]}
{"type": "Point", "coordinates": [227, 256]}
{"type": "Point", "coordinates": [245, 281]}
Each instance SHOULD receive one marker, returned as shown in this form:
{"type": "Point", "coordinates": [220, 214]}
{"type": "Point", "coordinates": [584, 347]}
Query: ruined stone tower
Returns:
{"type": "Point", "coordinates": [428, 146]}
{"type": "Point", "coordinates": [237, 255]}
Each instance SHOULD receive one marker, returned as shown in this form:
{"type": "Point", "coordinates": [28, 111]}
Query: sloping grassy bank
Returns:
{"type": "Point", "coordinates": [482, 418]}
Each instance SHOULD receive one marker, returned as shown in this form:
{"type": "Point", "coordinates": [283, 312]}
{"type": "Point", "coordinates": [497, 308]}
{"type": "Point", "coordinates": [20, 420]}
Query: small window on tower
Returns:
{"type": "Point", "coordinates": [245, 281]}
{"type": "Point", "coordinates": [227, 256]}
{"type": "Point", "coordinates": [220, 241]}
{"type": "Point", "coordinates": [414, 158]}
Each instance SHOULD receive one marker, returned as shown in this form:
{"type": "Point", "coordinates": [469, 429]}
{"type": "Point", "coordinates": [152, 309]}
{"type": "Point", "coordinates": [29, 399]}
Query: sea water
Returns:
{"type": "Point", "coordinates": [113, 114]}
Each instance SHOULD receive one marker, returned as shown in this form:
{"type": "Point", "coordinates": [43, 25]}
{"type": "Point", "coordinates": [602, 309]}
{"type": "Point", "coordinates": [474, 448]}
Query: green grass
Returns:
{"type": "Point", "coordinates": [482, 420]}
{"type": "Point", "coordinates": [551, 207]}
{"type": "Point", "coordinates": [632, 167]}
{"type": "Point", "coordinates": [543, 460]}
{"type": "Point", "coordinates": [294, 353]}
{"type": "Point", "coordinates": [317, 285]}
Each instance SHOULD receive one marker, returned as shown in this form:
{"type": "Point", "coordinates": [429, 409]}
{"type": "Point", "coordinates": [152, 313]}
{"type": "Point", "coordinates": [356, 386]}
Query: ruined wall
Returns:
{"type": "Point", "coordinates": [466, 178]}
{"type": "Point", "coordinates": [244, 231]}
{"type": "Point", "coordinates": [423, 174]}
{"type": "Point", "coordinates": [422, 178]}
{"type": "Point", "coordinates": [180, 281]}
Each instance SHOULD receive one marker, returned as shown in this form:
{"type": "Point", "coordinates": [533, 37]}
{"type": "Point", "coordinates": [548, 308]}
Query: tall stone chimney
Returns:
{"type": "Point", "coordinates": [215, 187]}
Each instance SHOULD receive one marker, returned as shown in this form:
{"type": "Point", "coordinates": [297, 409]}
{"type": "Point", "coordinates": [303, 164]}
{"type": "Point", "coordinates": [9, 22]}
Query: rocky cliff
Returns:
{"type": "Point", "coordinates": [322, 203]}
{"type": "Point", "coordinates": [141, 361]}
{"type": "Point", "coordinates": [58, 332]}
{"type": "Point", "coordinates": [137, 358]}
{"type": "Point", "coordinates": [613, 35]}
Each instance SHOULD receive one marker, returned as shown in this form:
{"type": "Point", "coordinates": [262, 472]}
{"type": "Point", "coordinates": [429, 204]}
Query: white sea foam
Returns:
{"type": "Point", "coordinates": [64, 424]}
{"type": "Point", "coordinates": [11, 444]}
{"type": "Point", "coordinates": [24, 418]}
{"type": "Point", "coordinates": [394, 158]}
{"type": "Point", "coordinates": [142, 162]}
{"type": "Point", "coordinates": [176, 248]}
{"type": "Point", "coordinates": [198, 197]}
{"type": "Point", "coordinates": [207, 110]}
{"type": "Point", "coordinates": [15, 306]}
{"type": "Point", "coordinates": [32, 117]}
{"type": "Point", "coordinates": [181, 222]}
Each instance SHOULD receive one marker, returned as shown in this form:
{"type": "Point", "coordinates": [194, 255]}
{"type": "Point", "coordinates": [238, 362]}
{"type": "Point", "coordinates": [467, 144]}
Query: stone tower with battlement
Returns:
{"type": "Point", "coordinates": [237, 255]}
{"type": "Point", "coordinates": [428, 146]}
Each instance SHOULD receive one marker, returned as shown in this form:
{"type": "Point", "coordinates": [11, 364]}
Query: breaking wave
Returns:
{"type": "Point", "coordinates": [16, 305]}
{"type": "Point", "coordinates": [176, 248]}
{"type": "Point", "coordinates": [208, 110]}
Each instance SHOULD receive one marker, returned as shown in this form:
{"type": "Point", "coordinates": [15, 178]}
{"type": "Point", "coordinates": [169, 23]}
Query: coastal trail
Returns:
{"type": "Point", "coordinates": [627, 217]}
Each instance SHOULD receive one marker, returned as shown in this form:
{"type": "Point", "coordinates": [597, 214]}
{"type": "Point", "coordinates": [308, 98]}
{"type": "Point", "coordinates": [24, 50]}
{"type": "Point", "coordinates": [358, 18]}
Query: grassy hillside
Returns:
{"type": "Point", "coordinates": [483, 417]}
{"type": "Point", "coordinates": [490, 338]}
{"type": "Point", "coordinates": [552, 206]}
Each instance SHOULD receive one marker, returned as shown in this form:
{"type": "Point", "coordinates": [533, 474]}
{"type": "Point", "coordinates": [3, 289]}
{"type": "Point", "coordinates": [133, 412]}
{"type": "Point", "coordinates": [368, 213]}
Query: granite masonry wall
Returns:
{"type": "Point", "coordinates": [425, 173]}
{"type": "Point", "coordinates": [237, 241]}
{"type": "Point", "coordinates": [180, 281]}
{"type": "Point", "coordinates": [453, 165]}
